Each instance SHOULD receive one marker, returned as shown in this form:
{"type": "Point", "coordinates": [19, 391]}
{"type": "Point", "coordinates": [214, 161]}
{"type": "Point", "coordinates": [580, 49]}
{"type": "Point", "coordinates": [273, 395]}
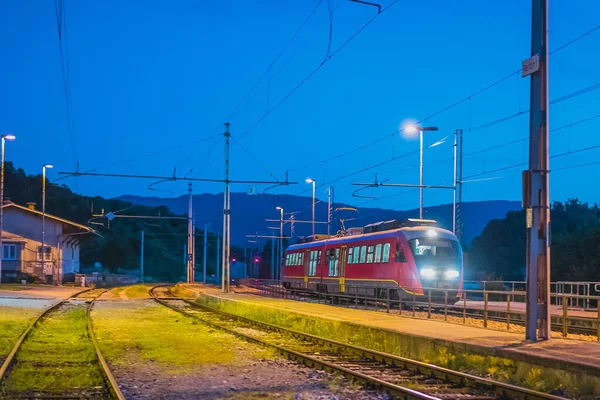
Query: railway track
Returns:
{"type": "Point", "coordinates": [57, 356]}
{"type": "Point", "coordinates": [397, 376]}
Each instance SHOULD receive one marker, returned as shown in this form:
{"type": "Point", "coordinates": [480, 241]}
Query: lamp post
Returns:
{"type": "Point", "coordinates": [280, 252]}
{"type": "Point", "coordinates": [44, 167]}
{"type": "Point", "coordinates": [8, 136]}
{"type": "Point", "coordinates": [314, 188]}
{"type": "Point", "coordinates": [413, 129]}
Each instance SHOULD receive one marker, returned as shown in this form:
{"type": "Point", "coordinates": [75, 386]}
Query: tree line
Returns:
{"type": "Point", "coordinates": [499, 252]}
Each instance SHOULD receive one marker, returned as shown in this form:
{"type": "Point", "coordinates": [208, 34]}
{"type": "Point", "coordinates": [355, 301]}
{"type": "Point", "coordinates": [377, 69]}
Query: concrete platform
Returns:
{"type": "Point", "coordinates": [563, 354]}
{"type": "Point", "coordinates": [31, 291]}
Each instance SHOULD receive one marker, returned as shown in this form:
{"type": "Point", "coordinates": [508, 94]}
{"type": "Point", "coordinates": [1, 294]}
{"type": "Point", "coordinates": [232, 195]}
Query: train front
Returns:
{"type": "Point", "coordinates": [435, 256]}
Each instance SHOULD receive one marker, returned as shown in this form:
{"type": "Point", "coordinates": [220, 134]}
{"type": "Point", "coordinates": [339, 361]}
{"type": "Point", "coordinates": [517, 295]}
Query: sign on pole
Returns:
{"type": "Point", "coordinates": [110, 216]}
{"type": "Point", "coordinates": [252, 191]}
{"type": "Point", "coordinates": [530, 66]}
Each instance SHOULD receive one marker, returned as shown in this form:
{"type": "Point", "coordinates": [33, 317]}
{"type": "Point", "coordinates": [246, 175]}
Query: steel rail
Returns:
{"type": "Point", "coordinates": [390, 388]}
{"type": "Point", "coordinates": [24, 335]}
{"type": "Point", "coordinates": [442, 373]}
{"type": "Point", "coordinates": [504, 390]}
{"type": "Point", "coordinates": [113, 387]}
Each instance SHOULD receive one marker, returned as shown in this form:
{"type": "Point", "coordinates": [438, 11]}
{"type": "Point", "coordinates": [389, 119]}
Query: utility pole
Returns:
{"type": "Point", "coordinates": [218, 275]}
{"type": "Point", "coordinates": [458, 173]}
{"type": "Point", "coordinates": [193, 252]}
{"type": "Point", "coordinates": [142, 258]}
{"type": "Point", "coordinates": [204, 254]}
{"type": "Point", "coordinates": [273, 256]}
{"type": "Point", "coordinates": [329, 210]}
{"type": "Point", "coordinates": [454, 197]}
{"type": "Point", "coordinates": [536, 181]}
{"type": "Point", "coordinates": [190, 241]}
{"type": "Point", "coordinates": [226, 216]}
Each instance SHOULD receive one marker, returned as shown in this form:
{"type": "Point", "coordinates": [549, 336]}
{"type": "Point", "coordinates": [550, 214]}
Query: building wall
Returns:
{"type": "Point", "coordinates": [64, 249]}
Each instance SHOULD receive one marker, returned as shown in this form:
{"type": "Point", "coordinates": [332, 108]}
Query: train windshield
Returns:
{"type": "Point", "coordinates": [433, 249]}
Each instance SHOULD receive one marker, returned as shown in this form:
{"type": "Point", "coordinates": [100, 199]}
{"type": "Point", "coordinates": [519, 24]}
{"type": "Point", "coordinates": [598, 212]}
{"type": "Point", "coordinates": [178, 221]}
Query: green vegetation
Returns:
{"type": "Point", "coordinates": [137, 291]}
{"type": "Point", "coordinates": [518, 371]}
{"type": "Point", "coordinates": [499, 252]}
{"type": "Point", "coordinates": [13, 322]}
{"type": "Point", "coordinates": [57, 356]}
{"type": "Point", "coordinates": [180, 291]}
{"type": "Point", "coordinates": [118, 250]}
{"type": "Point", "coordinates": [150, 331]}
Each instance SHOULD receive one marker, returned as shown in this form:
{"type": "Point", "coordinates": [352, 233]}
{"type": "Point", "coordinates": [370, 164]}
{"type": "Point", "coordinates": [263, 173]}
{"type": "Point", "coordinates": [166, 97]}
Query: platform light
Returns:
{"type": "Point", "coordinates": [451, 274]}
{"type": "Point", "coordinates": [427, 272]}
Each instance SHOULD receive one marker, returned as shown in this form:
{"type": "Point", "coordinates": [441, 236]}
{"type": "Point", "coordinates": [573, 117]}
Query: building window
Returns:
{"type": "Point", "coordinates": [386, 253]}
{"type": "Point", "coordinates": [370, 254]}
{"type": "Point", "coordinates": [9, 251]}
{"type": "Point", "coordinates": [44, 253]}
{"type": "Point", "coordinates": [350, 257]}
{"type": "Point", "coordinates": [363, 254]}
{"type": "Point", "coordinates": [378, 253]}
{"type": "Point", "coordinates": [356, 254]}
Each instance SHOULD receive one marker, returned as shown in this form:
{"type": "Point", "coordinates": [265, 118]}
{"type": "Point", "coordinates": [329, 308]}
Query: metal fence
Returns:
{"type": "Point", "coordinates": [489, 308]}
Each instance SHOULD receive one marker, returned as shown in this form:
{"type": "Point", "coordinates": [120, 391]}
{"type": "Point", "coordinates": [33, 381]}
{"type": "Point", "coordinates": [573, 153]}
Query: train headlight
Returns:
{"type": "Point", "coordinates": [427, 272]}
{"type": "Point", "coordinates": [451, 274]}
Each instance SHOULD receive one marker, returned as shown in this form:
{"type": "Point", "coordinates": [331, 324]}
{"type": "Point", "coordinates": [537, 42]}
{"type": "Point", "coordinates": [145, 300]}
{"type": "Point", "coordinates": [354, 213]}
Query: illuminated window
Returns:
{"type": "Point", "coordinates": [356, 254]}
{"type": "Point", "coordinates": [319, 258]}
{"type": "Point", "coordinates": [334, 259]}
{"type": "Point", "coordinates": [363, 254]}
{"type": "Point", "coordinates": [370, 255]}
{"type": "Point", "coordinates": [44, 253]}
{"type": "Point", "coordinates": [378, 253]}
{"type": "Point", "coordinates": [350, 257]}
{"type": "Point", "coordinates": [386, 253]}
{"type": "Point", "coordinates": [301, 259]}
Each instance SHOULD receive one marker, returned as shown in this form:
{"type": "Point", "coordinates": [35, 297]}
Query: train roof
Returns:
{"type": "Point", "coordinates": [409, 232]}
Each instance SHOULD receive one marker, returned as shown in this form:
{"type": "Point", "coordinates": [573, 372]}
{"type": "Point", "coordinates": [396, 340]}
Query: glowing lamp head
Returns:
{"type": "Point", "coordinates": [278, 208]}
{"type": "Point", "coordinates": [451, 274]}
{"type": "Point", "coordinates": [411, 129]}
{"type": "Point", "coordinates": [310, 180]}
{"type": "Point", "coordinates": [427, 272]}
{"type": "Point", "coordinates": [47, 166]}
{"type": "Point", "coordinates": [9, 136]}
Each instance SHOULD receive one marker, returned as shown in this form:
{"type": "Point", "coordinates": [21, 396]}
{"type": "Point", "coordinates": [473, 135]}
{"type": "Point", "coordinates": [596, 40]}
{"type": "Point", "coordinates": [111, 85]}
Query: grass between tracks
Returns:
{"type": "Point", "coordinates": [147, 330]}
{"type": "Point", "coordinates": [57, 355]}
{"type": "Point", "coordinates": [13, 322]}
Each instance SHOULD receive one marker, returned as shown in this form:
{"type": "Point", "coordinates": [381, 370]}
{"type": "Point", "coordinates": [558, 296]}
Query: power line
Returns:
{"type": "Point", "coordinates": [255, 159]}
{"type": "Point", "coordinates": [449, 107]}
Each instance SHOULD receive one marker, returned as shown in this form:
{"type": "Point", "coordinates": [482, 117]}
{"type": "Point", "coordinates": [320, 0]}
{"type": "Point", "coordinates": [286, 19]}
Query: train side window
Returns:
{"type": "Point", "coordinates": [350, 256]}
{"type": "Point", "coordinates": [295, 261]}
{"type": "Point", "coordinates": [386, 253]}
{"type": "Point", "coordinates": [356, 254]}
{"type": "Point", "coordinates": [287, 259]}
{"type": "Point", "coordinates": [369, 254]}
{"type": "Point", "coordinates": [378, 253]}
{"type": "Point", "coordinates": [312, 266]}
{"type": "Point", "coordinates": [363, 254]}
{"type": "Point", "coordinates": [332, 261]}
{"type": "Point", "coordinates": [319, 258]}
{"type": "Point", "coordinates": [300, 258]}
{"type": "Point", "coordinates": [337, 262]}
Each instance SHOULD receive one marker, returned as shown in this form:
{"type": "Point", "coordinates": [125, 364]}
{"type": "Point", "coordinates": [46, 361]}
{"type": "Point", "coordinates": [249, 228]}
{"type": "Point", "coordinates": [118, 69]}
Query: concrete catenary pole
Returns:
{"type": "Point", "coordinates": [226, 216]}
{"type": "Point", "coordinates": [190, 241]}
{"type": "Point", "coordinates": [142, 257]}
{"type": "Point", "coordinates": [536, 198]}
{"type": "Point", "coordinates": [204, 254]}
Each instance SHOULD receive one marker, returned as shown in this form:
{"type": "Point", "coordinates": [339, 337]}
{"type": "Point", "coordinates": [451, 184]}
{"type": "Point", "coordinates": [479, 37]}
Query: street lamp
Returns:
{"type": "Point", "coordinates": [280, 252]}
{"type": "Point", "coordinates": [5, 137]}
{"type": "Point", "coordinates": [314, 188]}
{"type": "Point", "coordinates": [414, 129]}
{"type": "Point", "coordinates": [44, 167]}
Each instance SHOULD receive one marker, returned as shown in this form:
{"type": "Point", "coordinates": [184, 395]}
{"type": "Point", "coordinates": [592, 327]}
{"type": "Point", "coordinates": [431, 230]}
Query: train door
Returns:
{"type": "Point", "coordinates": [307, 261]}
{"type": "Point", "coordinates": [342, 264]}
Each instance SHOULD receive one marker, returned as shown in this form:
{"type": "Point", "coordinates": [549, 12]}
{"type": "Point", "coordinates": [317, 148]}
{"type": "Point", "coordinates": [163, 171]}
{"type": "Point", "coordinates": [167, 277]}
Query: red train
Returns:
{"type": "Point", "coordinates": [404, 256]}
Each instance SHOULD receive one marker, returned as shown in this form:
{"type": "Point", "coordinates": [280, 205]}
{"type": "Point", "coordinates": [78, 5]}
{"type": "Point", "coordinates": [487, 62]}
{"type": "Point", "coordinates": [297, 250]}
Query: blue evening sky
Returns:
{"type": "Point", "coordinates": [150, 75]}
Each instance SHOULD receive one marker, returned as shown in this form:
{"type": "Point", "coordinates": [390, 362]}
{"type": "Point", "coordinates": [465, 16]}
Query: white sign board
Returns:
{"type": "Point", "coordinates": [530, 66]}
{"type": "Point", "coordinates": [251, 191]}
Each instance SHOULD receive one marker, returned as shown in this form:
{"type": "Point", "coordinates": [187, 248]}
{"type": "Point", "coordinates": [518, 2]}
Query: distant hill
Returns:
{"type": "Point", "coordinates": [248, 213]}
